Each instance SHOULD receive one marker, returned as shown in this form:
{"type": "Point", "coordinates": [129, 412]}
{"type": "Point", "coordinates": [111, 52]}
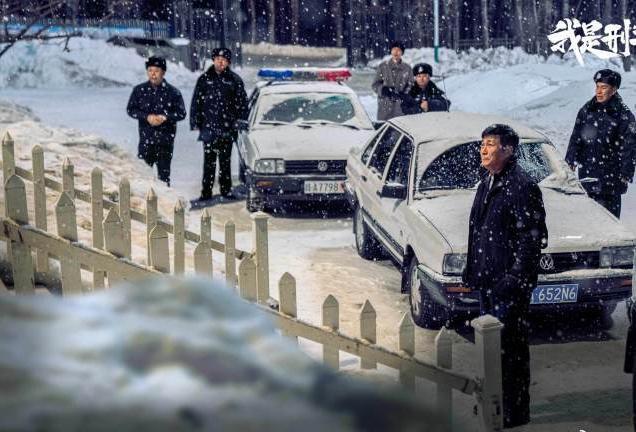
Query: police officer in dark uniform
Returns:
{"type": "Point", "coordinates": [424, 96]}
{"type": "Point", "coordinates": [603, 143]}
{"type": "Point", "coordinates": [506, 233]}
{"type": "Point", "coordinates": [218, 102]}
{"type": "Point", "coordinates": [157, 106]}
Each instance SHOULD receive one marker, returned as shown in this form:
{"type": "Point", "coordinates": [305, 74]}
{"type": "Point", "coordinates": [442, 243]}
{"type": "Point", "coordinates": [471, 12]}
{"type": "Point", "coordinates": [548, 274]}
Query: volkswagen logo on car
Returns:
{"type": "Point", "coordinates": [322, 166]}
{"type": "Point", "coordinates": [546, 262]}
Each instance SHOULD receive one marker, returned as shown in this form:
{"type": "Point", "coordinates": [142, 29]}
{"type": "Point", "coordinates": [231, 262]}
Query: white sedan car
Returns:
{"type": "Point", "coordinates": [295, 143]}
{"type": "Point", "coordinates": [412, 187]}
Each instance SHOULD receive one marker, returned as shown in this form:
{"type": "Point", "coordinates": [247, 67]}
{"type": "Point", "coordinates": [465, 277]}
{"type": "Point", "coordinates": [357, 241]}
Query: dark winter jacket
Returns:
{"type": "Point", "coordinates": [219, 100]}
{"type": "Point", "coordinates": [506, 233]}
{"type": "Point", "coordinates": [630, 346]}
{"type": "Point", "coordinates": [603, 144]}
{"type": "Point", "coordinates": [431, 93]}
{"type": "Point", "coordinates": [164, 99]}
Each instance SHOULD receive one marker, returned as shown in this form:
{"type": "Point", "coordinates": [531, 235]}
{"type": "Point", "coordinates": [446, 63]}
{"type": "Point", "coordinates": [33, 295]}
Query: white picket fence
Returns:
{"type": "Point", "coordinates": [109, 259]}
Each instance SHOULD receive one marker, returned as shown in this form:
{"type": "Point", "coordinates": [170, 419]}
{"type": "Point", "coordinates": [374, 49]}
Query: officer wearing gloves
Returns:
{"type": "Point", "coordinates": [424, 96]}
{"type": "Point", "coordinates": [392, 83]}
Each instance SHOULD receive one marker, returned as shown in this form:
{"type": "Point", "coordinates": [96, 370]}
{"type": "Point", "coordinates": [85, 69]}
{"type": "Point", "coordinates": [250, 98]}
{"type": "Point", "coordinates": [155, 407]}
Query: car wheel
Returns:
{"type": "Point", "coordinates": [425, 311]}
{"type": "Point", "coordinates": [605, 315]}
{"type": "Point", "coordinates": [366, 243]}
{"type": "Point", "coordinates": [252, 204]}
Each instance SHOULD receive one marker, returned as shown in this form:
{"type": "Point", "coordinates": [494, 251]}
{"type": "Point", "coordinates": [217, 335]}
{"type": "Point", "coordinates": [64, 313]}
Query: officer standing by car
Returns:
{"type": "Point", "coordinates": [218, 102]}
{"type": "Point", "coordinates": [424, 96]}
{"type": "Point", "coordinates": [157, 106]}
{"type": "Point", "coordinates": [603, 143]}
{"type": "Point", "coordinates": [506, 233]}
{"type": "Point", "coordinates": [392, 83]}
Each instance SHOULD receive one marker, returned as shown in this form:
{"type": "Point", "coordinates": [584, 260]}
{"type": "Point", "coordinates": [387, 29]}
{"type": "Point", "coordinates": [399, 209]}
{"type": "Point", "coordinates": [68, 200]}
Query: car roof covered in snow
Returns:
{"type": "Point", "coordinates": [457, 126]}
{"type": "Point", "coordinates": [305, 87]}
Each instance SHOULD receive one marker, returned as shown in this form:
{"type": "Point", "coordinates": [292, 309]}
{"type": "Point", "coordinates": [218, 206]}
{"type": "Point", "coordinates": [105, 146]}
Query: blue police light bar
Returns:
{"type": "Point", "coordinates": [305, 74]}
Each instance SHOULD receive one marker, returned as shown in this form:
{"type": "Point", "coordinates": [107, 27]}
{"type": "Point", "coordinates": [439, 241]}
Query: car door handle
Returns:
{"type": "Point", "coordinates": [363, 177]}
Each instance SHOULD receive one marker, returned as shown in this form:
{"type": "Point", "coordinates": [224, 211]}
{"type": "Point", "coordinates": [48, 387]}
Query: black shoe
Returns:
{"type": "Point", "coordinates": [204, 197]}
{"type": "Point", "coordinates": [228, 196]}
{"type": "Point", "coordinates": [514, 421]}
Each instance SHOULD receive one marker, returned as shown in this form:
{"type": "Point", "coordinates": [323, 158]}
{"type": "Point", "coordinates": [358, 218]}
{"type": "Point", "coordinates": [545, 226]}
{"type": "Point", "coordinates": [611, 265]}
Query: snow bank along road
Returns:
{"type": "Point", "coordinates": [569, 379]}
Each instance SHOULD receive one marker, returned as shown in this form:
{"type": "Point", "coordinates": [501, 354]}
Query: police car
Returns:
{"type": "Point", "coordinates": [294, 146]}
{"type": "Point", "coordinates": [412, 187]}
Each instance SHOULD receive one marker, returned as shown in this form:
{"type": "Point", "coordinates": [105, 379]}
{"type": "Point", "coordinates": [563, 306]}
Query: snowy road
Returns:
{"type": "Point", "coordinates": [320, 253]}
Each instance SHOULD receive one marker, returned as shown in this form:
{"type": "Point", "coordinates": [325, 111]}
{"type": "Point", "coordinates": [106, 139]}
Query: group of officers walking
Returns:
{"type": "Point", "coordinates": [507, 228]}
{"type": "Point", "coordinates": [218, 102]}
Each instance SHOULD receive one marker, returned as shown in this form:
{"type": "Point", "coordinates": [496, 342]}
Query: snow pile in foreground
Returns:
{"type": "Point", "coordinates": [172, 354]}
{"type": "Point", "coordinates": [453, 63]}
{"type": "Point", "coordinates": [86, 63]}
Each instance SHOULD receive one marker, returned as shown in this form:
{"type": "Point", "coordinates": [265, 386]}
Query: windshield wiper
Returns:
{"type": "Point", "coordinates": [327, 122]}
{"type": "Point", "coordinates": [273, 122]}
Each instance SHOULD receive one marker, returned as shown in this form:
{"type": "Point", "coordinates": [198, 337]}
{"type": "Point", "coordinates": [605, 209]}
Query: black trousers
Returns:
{"type": "Point", "coordinates": [160, 156]}
{"type": "Point", "coordinates": [610, 202]}
{"type": "Point", "coordinates": [221, 148]}
{"type": "Point", "coordinates": [515, 353]}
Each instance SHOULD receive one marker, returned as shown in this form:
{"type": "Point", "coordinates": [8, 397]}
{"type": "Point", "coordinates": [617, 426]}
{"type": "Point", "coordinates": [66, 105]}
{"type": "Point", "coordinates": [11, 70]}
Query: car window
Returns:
{"type": "Point", "coordinates": [382, 151]}
{"type": "Point", "coordinates": [460, 167]}
{"type": "Point", "coordinates": [399, 168]}
{"type": "Point", "coordinates": [367, 150]}
{"type": "Point", "coordinates": [289, 108]}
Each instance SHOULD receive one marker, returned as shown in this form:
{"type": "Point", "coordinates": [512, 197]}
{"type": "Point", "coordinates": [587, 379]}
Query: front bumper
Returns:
{"type": "Point", "coordinates": [276, 188]}
{"type": "Point", "coordinates": [596, 287]}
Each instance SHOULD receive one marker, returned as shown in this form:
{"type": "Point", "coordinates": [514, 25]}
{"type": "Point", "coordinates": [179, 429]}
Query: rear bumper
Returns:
{"type": "Point", "coordinates": [276, 188]}
{"type": "Point", "coordinates": [596, 288]}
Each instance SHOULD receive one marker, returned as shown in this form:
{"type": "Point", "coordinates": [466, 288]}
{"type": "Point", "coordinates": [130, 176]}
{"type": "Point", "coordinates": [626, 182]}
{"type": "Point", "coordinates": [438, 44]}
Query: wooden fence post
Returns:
{"type": "Point", "coordinates": [203, 252]}
{"type": "Point", "coordinates": [406, 344]}
{"type": "Point", "coordinates": [230, 250]}
{"type": "Point", "coordinates": [124, 215]}
{"type": "Point", "coordinates": [488, 344]}
{"type": "Point", "coordinates": [178, 239]}
{"type": "Point", "coordinates": [66, 221]}
{"type": "Point", "coordinates": [287, 294]}
{"type": "Point", "coordinates": [260, 247]}
{"type": "Point", "coordinates": [21, 260]}
{"type": "Point", "coordinates": [159, 252]}
{"type": "Point", "coordinates": [39, 204]}
{"type": "Point", "coordinates": [151, 219]}
{"type": "Point", "coordinates": [247, 279]}
{"type": "Point", "coordinates": [68, 178]}
{"type": "Point", "coordinates": [368, 331]}
{"type": "Point", "coordinates": [331, 320]}
{"type": "Point", "coordinates": [114, 241]}
{"type": "Point", "coordinates": [97, 212]}
{"type": "Point", "coordinates": [444, 350]}
{"type": "Point", "coordinates": [8, 157]}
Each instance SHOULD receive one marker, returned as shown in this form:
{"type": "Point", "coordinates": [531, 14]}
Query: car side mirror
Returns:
{"type": "Point", "coordinates": [242, 125]}
{"type": "Point", "coordinates": [377, 124]}
{"type": "Point", "coordinates": [393, 190]}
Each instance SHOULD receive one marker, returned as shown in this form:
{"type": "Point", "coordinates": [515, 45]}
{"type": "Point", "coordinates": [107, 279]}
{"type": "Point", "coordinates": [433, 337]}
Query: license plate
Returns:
{"type": "Point", "coordinates": [564, 293]}
{"type": "Point", "coordinates": [324, 187]}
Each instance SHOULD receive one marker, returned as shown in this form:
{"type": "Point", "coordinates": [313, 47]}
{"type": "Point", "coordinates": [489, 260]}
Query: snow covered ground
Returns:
{"type": "Point", "coordinates": [320, 253]}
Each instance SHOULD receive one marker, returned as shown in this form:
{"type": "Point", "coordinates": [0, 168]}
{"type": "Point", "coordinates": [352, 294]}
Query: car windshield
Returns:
{"type": "Point", "coordinates": [311, 109]}
{"type": "Point", "coordinates": [460, 168]}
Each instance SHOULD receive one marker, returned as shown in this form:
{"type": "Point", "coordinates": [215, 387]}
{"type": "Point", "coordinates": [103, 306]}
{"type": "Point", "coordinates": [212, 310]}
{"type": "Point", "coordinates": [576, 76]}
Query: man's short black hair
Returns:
{"type": "Point", "coordinates": [506, 134]}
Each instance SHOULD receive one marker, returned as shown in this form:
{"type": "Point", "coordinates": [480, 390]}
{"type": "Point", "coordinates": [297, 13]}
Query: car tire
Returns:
{"type": "Point", "coordinates": [367, 245]}
{"type": "Point", "coordinates": [252, 204]}
{"type": "Point", "coordinates": [605, 315]}
{"type": "Point", "coordinates": [426, 312]}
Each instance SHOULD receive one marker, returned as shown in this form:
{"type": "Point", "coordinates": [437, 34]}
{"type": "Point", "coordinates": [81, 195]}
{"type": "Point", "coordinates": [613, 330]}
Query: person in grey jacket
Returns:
{"type": "Point", "coordinates": [392, 82]}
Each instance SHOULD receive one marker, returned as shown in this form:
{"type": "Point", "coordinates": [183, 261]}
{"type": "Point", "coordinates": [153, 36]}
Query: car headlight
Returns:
{"type": "Point", "coordinates": [454, 264]}
{"type": "Point", "coordinates": [617, 256]}
{"type": "Point", "coordinates": [269, 166]}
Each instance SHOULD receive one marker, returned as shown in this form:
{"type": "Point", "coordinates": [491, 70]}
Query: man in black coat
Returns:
{"type": "Point", "coordinates": [603, 143]}
{"type": "Point", "coordinates": [630, 352]}
{"type": "Point", "coordinates": [218, 102]}
{"type": "Point", "coordinates": [506, 233]}
{"type": "Point", "coordinates": [424, 96]}
{"type": "Point", "coordinates": [157, 106]}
